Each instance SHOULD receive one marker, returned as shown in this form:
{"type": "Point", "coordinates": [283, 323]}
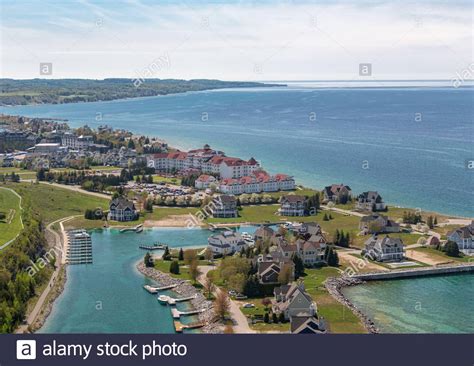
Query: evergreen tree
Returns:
{"type": "Point", "coordinates": [166, 254]}
{"type": "Point", "coordinates": [174, 267]}
{"type": "Point", "coordinates": [299, 266]}
{"type": "Point", "coordinates": [148, 260]}
{"type": "Point", "coordinates": [181, 254]}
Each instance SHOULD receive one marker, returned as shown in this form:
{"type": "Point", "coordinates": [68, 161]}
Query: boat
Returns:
{"type": "Point", "coordinates": [158, 246]}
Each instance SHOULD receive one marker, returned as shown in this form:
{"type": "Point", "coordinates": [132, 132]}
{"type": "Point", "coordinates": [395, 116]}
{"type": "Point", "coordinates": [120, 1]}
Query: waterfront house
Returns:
{"type": "Point", "coordinates": [337, 193]}
{"type": "Point", "coordinates": [308, 229]}
{"type": "Point", "coordinates": [376, 223]}
{"type": "Point", "coordinates": [226, 243]}
{"type": "Point", "coordinates": [304, 324]}
{"type": "Point", "coordinates": [292, 205]}
{"type": "Point", "coordinates": [384, 248]}
{"type": "Point", "coordinates": [292, 300]}
{"type": "Point", "coordinates": [464, 238]}
{"type": "Point", "coordinates": [224, 206]}
{"type": "Point", "coordinates": [122, 209]}
{"type": "Point", "coordinates": [370, 201]}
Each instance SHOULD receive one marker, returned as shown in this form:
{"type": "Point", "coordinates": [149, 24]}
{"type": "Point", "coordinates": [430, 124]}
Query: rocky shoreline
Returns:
{"type": "Point", "coordinates": [334, 286]}
{"type": "Point", "coordinates": [185, 289]}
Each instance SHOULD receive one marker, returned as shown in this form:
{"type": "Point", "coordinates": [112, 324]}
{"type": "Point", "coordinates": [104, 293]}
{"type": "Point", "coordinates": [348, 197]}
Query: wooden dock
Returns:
{"type": "Point", "coordinates": [137, 229]}
{"type": "Point", "coordinates": [178, 326]}
{"type": "Point", "coordinates": [157, 246]}
{"type": "Point", "coordinates": [177, 313]}
{"type": "Point", "coordinates": [154, 290]}
{"type": "Point", "coordinates": [165, 299]}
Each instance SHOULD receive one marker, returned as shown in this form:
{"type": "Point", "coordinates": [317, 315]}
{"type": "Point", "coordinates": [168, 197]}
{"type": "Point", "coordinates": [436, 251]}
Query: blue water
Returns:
{"type": "Point", "coordinates": [439, 304]}
{"type": "Point", "coordinates": [411, 162]}
{"type": "Point", "coordinates": [108, 296]}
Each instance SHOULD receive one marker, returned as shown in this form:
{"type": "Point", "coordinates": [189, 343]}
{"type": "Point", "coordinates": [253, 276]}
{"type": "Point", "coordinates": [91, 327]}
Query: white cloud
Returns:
{"type": "Point", "coordinates": [230, 41]}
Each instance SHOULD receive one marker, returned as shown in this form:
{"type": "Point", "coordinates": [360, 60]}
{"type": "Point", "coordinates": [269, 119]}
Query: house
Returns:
{"type": "Point", "coordinates": [224, 206]}
{"type": "Point", "coordinates": [121, 209]}
{"type": "Point", "coordinates": [292, 205]}
{"type": "Point", "coordinates": [312, 251]}
{"type": "Point", "coordinates": [376, 223]}
{"type": "Point", "coordinates": [204, 181]}
{"type": "Point", "coordinates": [337, 193]}
{"type": "Point", "coordinates": [370, 201]}
{"type": "Point", "coordinates": [464, 238]}
{"type": "Point", "coordinates": [304, 324]}
{"type": "Point", "coordinates": [292, 300]}
{"type": "Point", "coordinates": [308, 229]}
{"type": "Point", "coordinates": [263, 233]}
{"type": "Point", "coordinates": [269, 268]}
{"type": "Point", "coordinates": [384, 248]}
{"type": "Point", "coordinates": [226, 243]}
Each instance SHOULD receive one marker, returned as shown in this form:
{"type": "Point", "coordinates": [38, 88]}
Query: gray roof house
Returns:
{"type": "Point", "coordinates": [338, 193]}
{"type": "Point", "coordinates": [268, 271]}
{"type": "Point", "coordinates": [263, 233]}
{"type": "Point", "coordinates": [370, 201]}
{"type": "Point", "coordinates": [376, 223]}
{"type": "Point", "coordinates": [292, 205]}
{"type": "Point", "coordinates": [224, 206]}
{"type": "Point", "coordinates": [292, 300]}
{"type": "Point", "coordinates": [304, 324]}
{"type": "Point", "coordinates": [121, 209]}
{"type": "Point", "coordinates": [464, 238]}
{"type": "Point", "coordinates": [384, 248]}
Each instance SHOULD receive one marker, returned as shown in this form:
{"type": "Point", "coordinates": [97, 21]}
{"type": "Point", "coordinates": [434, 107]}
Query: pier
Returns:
{"type": "Point", "coordinates": [177, 313]}
{"type": "Point", "coordinates": [154, 290]}
{"type": "Point", "coordinates": [137, 229]}
{"type": "Point", "coordinates": [165, 299]}
{"type": "Point", "coordinates": [178, 326]}
{"type": "Point", "coordinates": [157, 246]}
{"type": "Point", "coordinates": [416, 272]}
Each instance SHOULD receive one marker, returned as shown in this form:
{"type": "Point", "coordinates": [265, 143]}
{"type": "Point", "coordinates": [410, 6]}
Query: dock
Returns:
{"type": "Point", "coordinates": [165, 299]}
{"type": "Point", "coordinates": [178, 326]}
{"type": "Point", "coordinates": [157, 246]}
{"type": "Point", "coordinates": [177, 313]}
{"type": "Point", "coordinates": [137, 229]}
{"type": "Point", "coordinates": [154, 290]}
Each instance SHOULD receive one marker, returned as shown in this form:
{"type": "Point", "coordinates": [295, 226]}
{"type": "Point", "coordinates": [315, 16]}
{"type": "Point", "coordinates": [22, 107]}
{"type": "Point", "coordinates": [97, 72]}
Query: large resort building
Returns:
{"type": "Point", "coordinates": [79, 247]}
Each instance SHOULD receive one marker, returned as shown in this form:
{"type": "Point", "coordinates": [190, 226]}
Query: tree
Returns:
{"type": "Point", "coordinates": [265, 302]}
{"type": "Point", "coordinates": [2, 216]}
{"type": "Point", "coordinates": [209, 286]}
{"type": "Point", "coordinates": [208, 254]}
{"type": "Point", "coordinates": [166, 254]}
{"type": "Point", "coordinates": [285, 275]}
{"type": "Point", "coordinates": [189, 256]}
{"type": "Point", "coordinates": [174, 267]}
{"type": "Point", "coordinates": [274, 318]}
{"type": "Point", "coordinates": [281, 317]}
{"type": "Point", "coordinates": [149, 205]}
{"type": "Point", "coordinates": [451, 249]}
{"type": "Point", "coordinates": [332, 258]}
{"type": "Point", "coordinates": [430, 222]}
{"type": "Point", "coordinates": [266, 318]}
{"type": "Point", "coordinates": [237, 282]}
{"type": "Point", "coordinates": [148, 260]}
{"type": "Point", "coordinates": [228, 329]}
{"type": "Point", "coordinates": [299, 266]}
{"type": "Point", "coordinates": [325, 218]}
{"type": "Point", "coordinates": [181, 254]}
{"type": "Point", "coordinates": [435, 221]}
{"type": "Point", "coordinates": [221, 305]}
{"type": "Point", "coordinates": [194, 271]}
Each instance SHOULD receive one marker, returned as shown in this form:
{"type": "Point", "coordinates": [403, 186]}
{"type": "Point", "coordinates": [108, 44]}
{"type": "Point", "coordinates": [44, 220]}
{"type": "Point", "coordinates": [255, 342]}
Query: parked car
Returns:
{"type": "Point", "coordinates": [240, 297]}
{"type": "Point", "coordinates": [249, 305]}
{"type": "Point", "coordinates": [232, 293]}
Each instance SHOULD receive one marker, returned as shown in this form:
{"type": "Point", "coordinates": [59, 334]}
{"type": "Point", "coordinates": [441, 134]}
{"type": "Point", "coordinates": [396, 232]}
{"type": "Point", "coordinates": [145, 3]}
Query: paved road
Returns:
{"type": "Point", "coordinates": [340, 210]}
{"type": "Point", "coordinates": [241, 324]}
{"type": "Point", "coordinates": [59, 263]}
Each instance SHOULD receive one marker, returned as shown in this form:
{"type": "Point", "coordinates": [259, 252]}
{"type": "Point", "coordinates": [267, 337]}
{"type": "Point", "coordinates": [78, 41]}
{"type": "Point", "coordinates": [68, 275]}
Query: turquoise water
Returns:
{"type": "Point", "coordinates": [108, 296]}
{"type": "Point", "coordinates": [438, 304]}
{"type": "Point", "coordinates": [414, 140]}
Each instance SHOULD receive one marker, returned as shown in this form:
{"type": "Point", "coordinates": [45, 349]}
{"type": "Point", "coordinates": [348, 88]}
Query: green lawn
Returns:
{"type": "Point", "coordinates": [161, 179]}
{"type": "Point", "coordinates": [339, 319]}
{"type": "Point", "coordinates": [11, 225]}
{"type": "Point", "coordinates": [53, 203]}
{"type": "Point", "coordinates": [259, 310]}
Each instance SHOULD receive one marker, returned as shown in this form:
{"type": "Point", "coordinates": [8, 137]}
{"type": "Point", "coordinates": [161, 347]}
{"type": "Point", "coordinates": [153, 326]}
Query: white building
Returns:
{"type": "Point", "coordinates": [204, 181]}
{"type": "Point", "coordinates": [464, 238]}
{"type": "Point", "coordinates": [47, 148]}
{"type": "Point", "coordinates": [76, 142]}
{"type": "Point", "coordinates": [226, 243]}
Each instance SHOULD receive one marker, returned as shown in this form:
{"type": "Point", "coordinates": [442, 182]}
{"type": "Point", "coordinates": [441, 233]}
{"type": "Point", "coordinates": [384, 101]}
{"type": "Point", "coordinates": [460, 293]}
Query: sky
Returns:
{"type": "Point", "coordinates": [236, 40]}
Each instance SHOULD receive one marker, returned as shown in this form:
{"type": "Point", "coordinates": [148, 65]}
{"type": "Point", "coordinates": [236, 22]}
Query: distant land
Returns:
{"type": "Point", "coordinates": [59, 91]}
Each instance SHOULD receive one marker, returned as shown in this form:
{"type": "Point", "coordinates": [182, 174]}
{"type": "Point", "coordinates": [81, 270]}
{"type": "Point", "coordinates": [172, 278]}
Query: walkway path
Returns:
{"type": "Point", "coordinates": [241, 324]}
{"type": "Point", "coordinates": [59, 263]}
{"type": "Point", "coordinates": [340, 210]}
{"type": "Point", "coordinates": [71, 188]}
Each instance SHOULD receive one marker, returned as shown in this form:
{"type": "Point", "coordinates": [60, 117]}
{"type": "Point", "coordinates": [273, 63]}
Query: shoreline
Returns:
{"type": "Point", "coordinates": [184, 288]}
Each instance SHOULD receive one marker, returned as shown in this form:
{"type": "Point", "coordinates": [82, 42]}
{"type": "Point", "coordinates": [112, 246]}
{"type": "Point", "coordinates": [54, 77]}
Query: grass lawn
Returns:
{"type": "Point", "coordinates": [259, 310]}
{"type": "Point", "coordinates": [441, 256]}
{"type": "Point", "coordinates": [11, 225]}
{"type": "Point", "coordinates": [53, 203]}
{"type": "Point", "coordinates": [160, 213]}
{"type": "Point", "coordinates": [339, 319]}
{"type": "Point", "coordinates": [164, 266]}
{"type": "Point", "coordinates": [161, 179]}
{"type": "Point", "coordinates": [397, 213]}
{"type": "Point", "coordinates": [407, 238]}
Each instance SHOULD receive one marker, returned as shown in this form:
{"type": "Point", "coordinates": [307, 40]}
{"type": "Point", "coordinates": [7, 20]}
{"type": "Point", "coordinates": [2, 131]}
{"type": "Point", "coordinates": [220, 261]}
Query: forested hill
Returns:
{"type": "Point", "coordinates": [56, 91]}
